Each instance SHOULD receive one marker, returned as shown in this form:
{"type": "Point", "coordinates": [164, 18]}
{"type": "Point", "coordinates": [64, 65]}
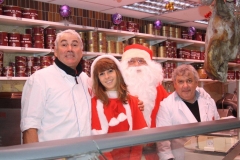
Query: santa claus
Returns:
{"type": "Point", "coordinates": [144, 78]}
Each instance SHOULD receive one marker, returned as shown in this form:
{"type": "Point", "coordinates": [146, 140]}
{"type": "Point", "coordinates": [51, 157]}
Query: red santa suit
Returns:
{"type": "Point", "coordinates": [150, 76]}
{"type": "Point", "coordinates": [118, 117]}
{"type": "Point", "coordinates": [161, 94]}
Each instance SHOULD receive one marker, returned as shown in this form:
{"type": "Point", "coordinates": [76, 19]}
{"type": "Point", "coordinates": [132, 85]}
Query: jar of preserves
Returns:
{"type": "Point", "coordinates": [201, 72]}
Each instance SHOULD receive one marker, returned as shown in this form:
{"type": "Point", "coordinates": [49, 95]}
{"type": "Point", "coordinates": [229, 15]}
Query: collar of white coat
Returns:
{"type": "Point", "coordinates": [114, 121]}
{"type": "Point", "coordinates": [62, 72]}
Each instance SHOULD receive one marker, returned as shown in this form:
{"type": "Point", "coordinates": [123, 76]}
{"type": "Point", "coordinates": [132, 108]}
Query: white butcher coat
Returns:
{"type": "Point", "coordinates": [174, 111]}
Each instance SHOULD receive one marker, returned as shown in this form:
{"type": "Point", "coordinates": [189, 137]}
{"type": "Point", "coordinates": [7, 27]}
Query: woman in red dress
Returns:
{"type": "Point", "coordinates": [113, 108]}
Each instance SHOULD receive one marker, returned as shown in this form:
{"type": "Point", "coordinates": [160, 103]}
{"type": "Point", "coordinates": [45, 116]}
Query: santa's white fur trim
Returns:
{"type": "Point", "coordinates": [131, 53]}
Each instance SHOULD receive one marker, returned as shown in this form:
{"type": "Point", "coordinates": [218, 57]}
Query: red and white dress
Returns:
{"type": "Point", "coordinates": [118, 117]}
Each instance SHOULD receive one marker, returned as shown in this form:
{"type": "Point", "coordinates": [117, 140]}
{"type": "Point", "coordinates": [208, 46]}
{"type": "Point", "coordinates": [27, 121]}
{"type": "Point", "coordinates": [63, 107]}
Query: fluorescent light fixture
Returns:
{"type": "Point", "coordinates": [159, 6]}
{"type": "Point", "coordinates": [202, 21]}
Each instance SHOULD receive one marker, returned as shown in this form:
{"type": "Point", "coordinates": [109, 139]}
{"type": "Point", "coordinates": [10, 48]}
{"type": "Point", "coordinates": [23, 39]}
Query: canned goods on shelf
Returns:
{"type": "Point", "coordinates": [149, 28]}
{"type": "Point", "coordinates": [172, 31]}
{"type": "Point", "coordinates": [231, 75]}
{"type": "Point", "coordinates": [50, 31]}
{"type": "Point", "coordinates": [154, 50]}
{"type": "Point", "coordinates": [111, 47]}
{"type": "Point", "coordinates": [178, 32]}
{"type": "Point", "coordinates": [10, 10]}
{"type": "Point", "coordinates": [38, 37]}
{"type": "Point", "coordinates": [38, 30]}
{"type": "Point", "coordinates": [38, 44]}
{"type": "Point", "coordinates": [146, 45]}
{"type": "Point", "coordinates": [3, 38]}
{"type": "Point", "coordinates": [133, 41]}
{"type": "Point", "coordinates": [14, 39]}
{"type": "Point", "coordinates": [29, 13]}
{"type": "Point", "coordinates": [119, 47]}
{"type": "Point", "coordinates": [162, 51]}
{"type": "Point", "coordinates": [198, 36]}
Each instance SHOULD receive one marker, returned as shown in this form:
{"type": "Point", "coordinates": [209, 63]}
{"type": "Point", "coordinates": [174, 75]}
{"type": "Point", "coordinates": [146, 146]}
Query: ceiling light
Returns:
{"type": "Point", "coordinates": [202, 21]}
{"type": "Point", "coordinates": [159, 6]}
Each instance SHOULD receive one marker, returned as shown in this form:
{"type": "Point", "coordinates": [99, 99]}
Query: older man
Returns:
{"type": "Point", "coordinates": [188, 104]}
{"type": "Point", "coordinates": [55, 101]}
{"type": "Point", "coordinates": [144, 79]}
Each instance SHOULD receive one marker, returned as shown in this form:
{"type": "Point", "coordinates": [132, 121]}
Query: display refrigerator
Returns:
{"type": "Point", "coordinates": [206, 140]}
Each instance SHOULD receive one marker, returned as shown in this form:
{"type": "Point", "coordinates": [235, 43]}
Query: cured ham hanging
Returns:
{"type": "Point", "coordinates": [222, 40]}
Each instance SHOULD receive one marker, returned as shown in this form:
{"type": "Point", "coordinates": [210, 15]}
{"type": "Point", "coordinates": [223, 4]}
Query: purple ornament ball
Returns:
{"type": "Point", "coordinates": [1, 1]}
{"type": "Point", "coordinates": [116, 18]}
{"type": "Point", "coordinates": [158, 24]}
{"type": "Point", "coordinates": [191, 31]}
{"type": "Point", "coordinates": [65, 11]}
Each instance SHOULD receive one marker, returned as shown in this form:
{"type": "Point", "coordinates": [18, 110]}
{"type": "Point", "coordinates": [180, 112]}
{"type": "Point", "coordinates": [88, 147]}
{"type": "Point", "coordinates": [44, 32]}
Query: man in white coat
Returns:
{"type": "Point", "coordinates": [187, 104]}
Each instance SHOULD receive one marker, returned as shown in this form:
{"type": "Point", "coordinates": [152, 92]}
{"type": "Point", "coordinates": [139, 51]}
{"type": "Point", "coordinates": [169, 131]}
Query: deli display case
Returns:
{"type": "Point", "coordinates": [10, 115]}
{"type": "Point", "coordinates": [211, 140]}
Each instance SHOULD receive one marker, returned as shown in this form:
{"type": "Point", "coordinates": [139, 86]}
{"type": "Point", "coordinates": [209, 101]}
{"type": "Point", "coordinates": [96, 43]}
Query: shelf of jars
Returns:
{"type": "Point", "coordinates": [121, 35]}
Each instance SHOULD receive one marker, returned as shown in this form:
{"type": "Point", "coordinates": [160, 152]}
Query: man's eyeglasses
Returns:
{"type": "Point", "coordinates": [138, 60]}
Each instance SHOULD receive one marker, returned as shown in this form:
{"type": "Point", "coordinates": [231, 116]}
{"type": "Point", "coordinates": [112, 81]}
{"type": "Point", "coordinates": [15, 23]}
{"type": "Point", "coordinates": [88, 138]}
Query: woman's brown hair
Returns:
{"type": "Point", "coordinates": [99, 90]}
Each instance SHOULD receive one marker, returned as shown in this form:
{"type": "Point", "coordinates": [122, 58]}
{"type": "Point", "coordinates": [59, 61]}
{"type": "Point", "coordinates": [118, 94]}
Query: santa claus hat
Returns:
{"type": "Point", "coordinates": [137, 50]}
{"type": "Point", "coordinates": [106, 56]}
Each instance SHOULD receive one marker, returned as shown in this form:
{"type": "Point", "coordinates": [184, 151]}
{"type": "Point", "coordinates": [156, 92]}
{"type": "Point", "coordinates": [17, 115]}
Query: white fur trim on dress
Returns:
{"type": "Point", "coordinates": [131, 53]}
{"type": "Point", "coordinates": [114, 121]}
{"type": "Point", "coordinates": [106, 56]}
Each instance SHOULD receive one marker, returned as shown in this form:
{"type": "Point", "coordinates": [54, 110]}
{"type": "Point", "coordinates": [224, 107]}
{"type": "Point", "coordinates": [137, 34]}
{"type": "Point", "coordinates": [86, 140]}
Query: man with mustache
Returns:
{"type": "Point", "coordinates": [187, 104]}
{"type": "Point", "coordinates": [144, 78]}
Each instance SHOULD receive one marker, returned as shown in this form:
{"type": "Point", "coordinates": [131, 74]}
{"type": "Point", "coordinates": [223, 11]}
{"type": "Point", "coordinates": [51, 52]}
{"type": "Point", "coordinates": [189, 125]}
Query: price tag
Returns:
{"type": "Point", "coordinates": [209, 142]}
{"type": "Point", "coordinates": [23, 48]}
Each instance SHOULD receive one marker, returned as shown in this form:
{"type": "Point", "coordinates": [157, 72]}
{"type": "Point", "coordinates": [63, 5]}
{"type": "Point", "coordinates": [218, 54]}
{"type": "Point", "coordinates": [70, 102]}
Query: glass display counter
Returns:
{"type": "Point", "coordinates": [216, 138]}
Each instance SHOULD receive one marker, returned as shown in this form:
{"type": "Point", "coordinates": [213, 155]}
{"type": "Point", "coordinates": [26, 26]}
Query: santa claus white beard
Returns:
{"type": "Point", "coordinates": [142, 82]}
